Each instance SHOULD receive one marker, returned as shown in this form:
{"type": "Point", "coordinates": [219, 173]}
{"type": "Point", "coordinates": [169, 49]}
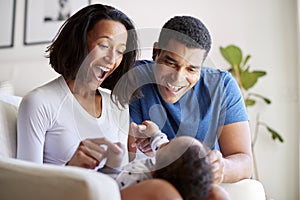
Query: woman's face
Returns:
{"type": "Point", "coordinates": [106, 44]}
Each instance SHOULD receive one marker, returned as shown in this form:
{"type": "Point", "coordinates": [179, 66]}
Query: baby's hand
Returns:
{"type": "Point", "coordinates": [142, 134]}
{"type": "Point", "coordinates": [145, 130]}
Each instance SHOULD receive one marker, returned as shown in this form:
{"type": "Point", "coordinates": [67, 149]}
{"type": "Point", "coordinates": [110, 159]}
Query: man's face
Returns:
{"type": "Point", "coordinates": [177, 69]}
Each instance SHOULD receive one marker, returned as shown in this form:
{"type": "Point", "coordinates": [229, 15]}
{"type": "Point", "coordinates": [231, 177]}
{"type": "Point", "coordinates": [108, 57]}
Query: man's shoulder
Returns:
{"type": "Point", "coordinates": [143, 73]}
{"type": "Point", "coordinates": [215, 75]}
{"type": "Point", "coordinates": [213, 71]}
{"type": "Point", "coordinates": [141, 62]}
{"type": "Point", "coordinates": [144, 65]}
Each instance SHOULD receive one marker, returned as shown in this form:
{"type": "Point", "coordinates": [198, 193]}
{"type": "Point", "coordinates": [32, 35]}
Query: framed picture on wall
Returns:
{"type": "Point", "coordinates": [43, 18]}
{"type": "Point", "coordinates": [7, 23]}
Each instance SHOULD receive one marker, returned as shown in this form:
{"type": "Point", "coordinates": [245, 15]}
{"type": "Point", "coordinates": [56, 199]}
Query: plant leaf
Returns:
{"type": "Point", "coordinates": [249, 79]}
{"type": "Point", "coordinates": [232, 54]}
{"type": "Point", "coordinates": [250, 102]}
{"type": "Point", "coordinates": [246, 60]}
{"type": "Point", "coordinates": [268, 101]}
{"type": "Point", "coordinates": [265, 99]}
{"type": "Point", "coordinates": [274, 134]}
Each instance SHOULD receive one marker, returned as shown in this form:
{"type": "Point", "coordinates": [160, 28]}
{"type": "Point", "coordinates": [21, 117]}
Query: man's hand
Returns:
{"type": "Point", "coordinates": [217, 162]}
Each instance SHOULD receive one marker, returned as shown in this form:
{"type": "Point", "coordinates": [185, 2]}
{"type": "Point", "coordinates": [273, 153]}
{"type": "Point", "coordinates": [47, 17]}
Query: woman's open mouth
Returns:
{"type": "Point", "coordinates": [100, 72]}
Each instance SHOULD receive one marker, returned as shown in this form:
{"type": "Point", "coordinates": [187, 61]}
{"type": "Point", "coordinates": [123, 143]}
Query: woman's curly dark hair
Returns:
{"type": "Point", "coordinates": [190, 174]}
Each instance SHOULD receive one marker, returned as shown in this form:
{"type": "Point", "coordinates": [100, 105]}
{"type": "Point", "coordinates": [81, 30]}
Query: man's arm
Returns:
{"type": "Point", "coordinates": [235, 145]}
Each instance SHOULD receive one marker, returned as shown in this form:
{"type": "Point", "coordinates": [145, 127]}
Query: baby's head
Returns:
{"type": "Point", "coordinates": [183, 162]}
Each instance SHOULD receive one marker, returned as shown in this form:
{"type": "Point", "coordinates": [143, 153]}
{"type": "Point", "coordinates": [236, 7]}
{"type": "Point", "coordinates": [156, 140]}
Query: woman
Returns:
{"type": "Point", "coordinates": [70, 121]}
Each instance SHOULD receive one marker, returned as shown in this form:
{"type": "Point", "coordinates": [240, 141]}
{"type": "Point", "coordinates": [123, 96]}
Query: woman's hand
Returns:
{"type": "Point", "coordinates": [114, 159]}
{"type": "Point", "coordinates": [217, 162]}
{"type": "Point", "coordinates": [90, 152]}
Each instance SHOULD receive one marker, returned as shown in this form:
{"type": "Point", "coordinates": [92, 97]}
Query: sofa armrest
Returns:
{"type": "Point", "coordinates": [247, 189]}
{"type": "Point", "coordinates": [25, 180]}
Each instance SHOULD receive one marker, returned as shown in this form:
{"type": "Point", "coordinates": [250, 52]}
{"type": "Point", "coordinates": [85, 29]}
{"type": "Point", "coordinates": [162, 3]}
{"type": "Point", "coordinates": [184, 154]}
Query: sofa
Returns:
{"type": "Point", "coordinates": [25, 180]}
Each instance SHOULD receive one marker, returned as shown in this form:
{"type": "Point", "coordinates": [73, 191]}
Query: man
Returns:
{"type": "Point", "coordinates": [184, 98]}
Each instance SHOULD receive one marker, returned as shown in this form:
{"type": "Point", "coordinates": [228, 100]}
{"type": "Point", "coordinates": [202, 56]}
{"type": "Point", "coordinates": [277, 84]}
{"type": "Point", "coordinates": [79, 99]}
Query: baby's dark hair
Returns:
{"type": "Point", "coordinates": [190, 174]}
{"type": "Point", "coordinates": [187, 30]}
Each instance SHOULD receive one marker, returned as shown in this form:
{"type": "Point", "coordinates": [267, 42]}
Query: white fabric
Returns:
{"type": "Point", "coordinates": [139, 170]}
{"type": "Point", "coordinates": [8, 129]}
{"type": "Point", "coordinates": [25, 180]}
{"type": "Point", "coordinates": [11, 99]}
{"type": "Point", "coordinates": [247, 189]}
{"type": "Point", "coordinates": [157, 140]}
{"type": "Point", "coordinates": [51, 124]}
{"type": "Point", "coordinates": [134, 172]}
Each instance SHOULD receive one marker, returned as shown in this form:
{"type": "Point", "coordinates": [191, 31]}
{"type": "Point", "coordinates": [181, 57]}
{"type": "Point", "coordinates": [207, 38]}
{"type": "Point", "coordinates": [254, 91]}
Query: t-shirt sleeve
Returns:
{"type": "Point", "coordinates": [233, 106]}
{"type": "Point", "coordinates": [31, 129]}
{"type": "Point", "coordinates": [143, 73]}
{"type": "Point", "coordinates": [135, 111]}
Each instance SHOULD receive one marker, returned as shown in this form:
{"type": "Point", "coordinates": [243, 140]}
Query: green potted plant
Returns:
{"type": "Point", "coordinates": [246, 79]}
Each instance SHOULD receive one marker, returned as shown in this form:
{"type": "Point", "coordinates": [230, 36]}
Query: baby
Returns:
{"type": "Point", "coordinates": [181, 161]}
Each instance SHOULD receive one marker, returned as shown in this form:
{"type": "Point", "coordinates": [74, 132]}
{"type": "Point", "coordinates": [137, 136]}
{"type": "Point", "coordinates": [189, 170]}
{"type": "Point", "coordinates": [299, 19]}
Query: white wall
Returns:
{"type": "Point", "coordinates": [265, 29]}
{"type": "Point", "coordinates": [298, 2]}
{"type": "Point", "coordinates": [24, 66]}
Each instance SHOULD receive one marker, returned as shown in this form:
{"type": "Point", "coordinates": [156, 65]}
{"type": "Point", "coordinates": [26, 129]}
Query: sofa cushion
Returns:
{"type": "Point", "coordinates": [11, 99]}
{"type": "Point", "coordinates": [25, 180]}
{"type": "Point", "coordinates": [247, 189]}
{"type": "Point", "coordinates": [6, 87]}
{"type": "Point", "coordinates": [8, 129]}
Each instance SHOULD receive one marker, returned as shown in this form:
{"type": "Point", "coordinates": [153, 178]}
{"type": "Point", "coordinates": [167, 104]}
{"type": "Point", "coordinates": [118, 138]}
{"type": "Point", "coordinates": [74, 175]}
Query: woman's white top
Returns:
{"type": "Point", "coordinates": [51, 124]}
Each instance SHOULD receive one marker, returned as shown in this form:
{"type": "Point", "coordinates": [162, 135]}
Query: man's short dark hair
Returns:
{"type": "Point", "coordinates": [190, 174]}
{"type": "Point", "coordinates": [187, 30]}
